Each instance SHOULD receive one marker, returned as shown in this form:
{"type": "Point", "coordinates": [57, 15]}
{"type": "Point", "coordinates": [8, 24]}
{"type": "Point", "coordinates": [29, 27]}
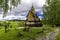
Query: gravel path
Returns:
{"type": "Point", "coordinates": [50, 36]}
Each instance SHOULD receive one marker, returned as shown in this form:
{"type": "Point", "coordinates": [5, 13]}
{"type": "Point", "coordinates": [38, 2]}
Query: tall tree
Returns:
{"type": "Point", "coordinates": [52, 12]}
{"type": "Point", "coordinates": [5, 6]}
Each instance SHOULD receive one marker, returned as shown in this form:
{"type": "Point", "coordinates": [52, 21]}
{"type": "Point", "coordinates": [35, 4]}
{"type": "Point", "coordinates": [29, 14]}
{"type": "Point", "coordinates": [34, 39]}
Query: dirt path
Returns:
{"type": "Point", "coordinates": [50, 36]}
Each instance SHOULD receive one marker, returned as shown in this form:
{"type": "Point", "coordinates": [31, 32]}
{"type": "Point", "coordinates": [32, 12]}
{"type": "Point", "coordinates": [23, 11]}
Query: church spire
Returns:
{"type": "Point", "coordinates": [32, 7]}
{"type": "Point", "coordinates": [32, 19]}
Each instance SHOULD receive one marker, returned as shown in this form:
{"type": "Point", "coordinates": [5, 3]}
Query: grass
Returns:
{"type": "Point", "coordinates": [58, 36]}
{"type": "Point", "coordinates": [12, 33]}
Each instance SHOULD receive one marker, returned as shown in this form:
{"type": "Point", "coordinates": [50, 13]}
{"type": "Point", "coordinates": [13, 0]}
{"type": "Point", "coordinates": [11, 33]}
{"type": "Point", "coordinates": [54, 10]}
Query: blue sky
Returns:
{"type": "Point", "coordinates": [22, 9]}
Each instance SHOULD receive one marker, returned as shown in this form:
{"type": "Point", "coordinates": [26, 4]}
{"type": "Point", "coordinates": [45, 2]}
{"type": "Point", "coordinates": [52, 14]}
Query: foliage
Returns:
{"type": "Point", "coordinates": [12, 34]}
{"type": "Point", "coordinates": [5, 6]}
{"type": "Point", "coordinates": [12, 24]}
{"type": "Point", "coordinates": [52, 12]}
{"type": "Point", "coordinates": [58, 36]}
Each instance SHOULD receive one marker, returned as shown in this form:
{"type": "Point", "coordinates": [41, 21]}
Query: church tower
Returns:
{"type": "Point", "coordinates": [32, 19]}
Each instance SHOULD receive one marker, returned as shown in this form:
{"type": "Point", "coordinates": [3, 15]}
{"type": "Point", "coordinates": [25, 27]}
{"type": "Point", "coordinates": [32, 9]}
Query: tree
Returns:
{"type": "Point", "coordinates": [52, 12]}
{"type": "Point", "coordinates": [5, 6]}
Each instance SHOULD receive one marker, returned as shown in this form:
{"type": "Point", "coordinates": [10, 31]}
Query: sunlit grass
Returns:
{"type": "Point", "coordinates": [12, 33]}
{"type": "Point", "coordinates": [58, 36]}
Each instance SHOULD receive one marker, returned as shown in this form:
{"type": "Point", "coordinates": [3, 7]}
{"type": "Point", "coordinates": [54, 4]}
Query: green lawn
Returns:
{"type": "Point", "coordinates": [12, 34]}
{"type": "Point", "coordinates": [58, 36]}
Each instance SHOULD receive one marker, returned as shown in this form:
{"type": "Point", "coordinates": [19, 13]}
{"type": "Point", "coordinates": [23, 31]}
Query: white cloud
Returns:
{"type": "Point", "coordinates": [39, 3]}
{"type": "Point", "coordinates": [23, 8]}
{"type": "Point", "coordinates": [1, 16]}
{"type": "Point", "coordinates": [26, 1]}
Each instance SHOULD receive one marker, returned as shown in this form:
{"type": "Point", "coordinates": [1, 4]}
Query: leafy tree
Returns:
{"type": "Point", "coordinates": [52, 12]}
{"type": "Point", "coordinates": [5, 6]}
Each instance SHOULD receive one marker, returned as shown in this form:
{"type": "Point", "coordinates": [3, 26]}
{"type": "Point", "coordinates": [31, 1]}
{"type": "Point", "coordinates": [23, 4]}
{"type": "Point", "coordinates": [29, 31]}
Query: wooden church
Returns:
{"type": "Point", "coordinates": [32, 19]}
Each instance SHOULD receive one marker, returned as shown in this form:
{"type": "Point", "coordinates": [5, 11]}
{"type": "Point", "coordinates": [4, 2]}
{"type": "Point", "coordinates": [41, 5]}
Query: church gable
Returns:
{"type": "Point", "coordinates": [32, 18]}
